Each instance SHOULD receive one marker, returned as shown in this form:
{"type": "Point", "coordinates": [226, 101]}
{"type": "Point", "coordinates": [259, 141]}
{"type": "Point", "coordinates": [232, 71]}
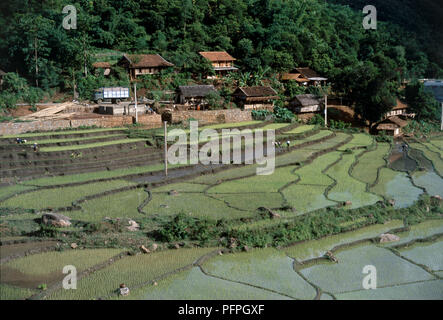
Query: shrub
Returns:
{"type": "Point", "coordinates": [260, 114]}
{"type": "Point", "coordinates": [317, 120]}
{"type": "Point", "coordinates": [383, 137]}
{"type": "Point", "coordinates": [283, 115]}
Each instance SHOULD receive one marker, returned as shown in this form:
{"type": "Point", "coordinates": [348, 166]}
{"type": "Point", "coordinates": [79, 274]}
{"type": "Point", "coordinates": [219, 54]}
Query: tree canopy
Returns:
{"type": "Point", "coordinates": [273, 35]}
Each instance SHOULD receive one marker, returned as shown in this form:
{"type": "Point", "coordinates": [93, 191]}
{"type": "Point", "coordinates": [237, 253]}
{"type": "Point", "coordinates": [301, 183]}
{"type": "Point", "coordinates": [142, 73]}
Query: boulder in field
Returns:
{"type": "Point", "coordinates": [387, 237]}
{"type": "Point", "coordinates": [133, 226]}
{"type": "Point", "coordinates": [144, 249]}
{"type": "Point", "coordinates": [56, 220]}
{"type": "Point", "coordinates": [74, 245]}
{"type": "Point", "coordinates": [173, 193]}
{"type": "Point", "coordinates": [391, 202]}
{"type": "Point", "coordinates": [154, 246]}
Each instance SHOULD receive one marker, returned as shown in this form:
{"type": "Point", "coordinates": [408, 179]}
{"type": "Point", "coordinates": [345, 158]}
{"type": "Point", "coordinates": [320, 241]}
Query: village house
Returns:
{"type": "Point", "coordinates": [253, 98]}
{"type": "Point", "coordinates": [304, 76]}
{"type": "Point", "coordinates": [400, 109]}
{"type": "Point", "coordinates": [195, 96]}
{"type": "Point", "coordinates": [221, 61]}
{"type": "Point", "coordinates": [141, 64]}
{"type": "Point", "coordinates": [391, 126]}
{"type": "Point", "coordinates": [305, 103]}
{"type": "Point", "coordinates": [102, 67]}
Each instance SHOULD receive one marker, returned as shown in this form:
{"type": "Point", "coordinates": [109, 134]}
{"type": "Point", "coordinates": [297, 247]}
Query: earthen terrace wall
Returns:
{"type": "Point", "coordinates": [8, 128]}
{"type": "Point", "coordinates": [212, 116]}
{"type": "Point", "coordinates": [147, 120]}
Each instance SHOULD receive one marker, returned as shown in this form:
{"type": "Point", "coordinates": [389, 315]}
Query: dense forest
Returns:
{"type": "Point", "coordinates": [266, 37]}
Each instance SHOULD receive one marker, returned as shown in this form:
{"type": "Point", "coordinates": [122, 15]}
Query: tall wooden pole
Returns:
{"type": "Point", "coordinates": [441, 124]}
{"type": "Point", "coordinates": [166, 147]}
{"type": "Point", "coordinates": [135, 98]}
{"type": "Point", "coordinates": [326, 110]}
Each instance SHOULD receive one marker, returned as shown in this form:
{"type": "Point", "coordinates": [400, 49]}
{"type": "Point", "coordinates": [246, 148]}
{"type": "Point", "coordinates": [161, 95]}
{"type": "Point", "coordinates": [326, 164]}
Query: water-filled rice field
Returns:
{"type": "Point", "coordinates": [342, 167]}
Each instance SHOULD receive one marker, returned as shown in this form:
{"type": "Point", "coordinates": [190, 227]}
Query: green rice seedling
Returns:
{"type": "Point", "coordinates": [59, 140]}
{"type": "Point", "coordinates": [312, 173]}
{"type": "Point", "coordinates": [348, 188]}
{"type": "Point", "coordinates": [106, 174]}
{"type": "Point", "coordinates": [262, 183]}
{"type": "Point", "coordinates": [315, 249]}
{"type": "Point", "coordinates": [321, 134]}
{"type": "Point", "coordinates": [306, 198]}
{"type": "Point", "coordinates": [434, 148]}
{"type": "Point", "coordinates": [193, 204]}
{"type": "Point", "coordinates": [181, 187]}
{"type": "Point", "coordinates": [132, 271]}
{"type": "Point", "coordinates": [274, 126]}
{"type": "Point", "coordinates": [431, 181]}
{"type": "Point", "coordinates": [231, 125]}
{"type": "Point", "coordinates": [425, 290]}
{"type": "Point", "coordinates": [8, 292]}
{"type": "Point", "coordinates": [252, 201]}
{"type": "Point", "coordinates": [48, 263]}
{"type": "Point", "coordinates": [358, 140]}
{"type": "Point", "coordinates": [55, 133]}
{"type": "Point", "coordinates": [301, 129]}
{"type": "Point", "coordinates": [426, 254]}
{"type": "Point", "coordinates": [368, 164]}
{"type": "Point", "coordinates": [265, 268]}
{"type": "Point", "coordinates": [432, 156]}
{"type": "Point", "coordinates": [329, 143]}
{"type": "Point", "coordinates": [347, 275]}
{"type": "Point", "coordinates": [118, 205]}
{"type": "Point", "coordinates": [195, 285]}
{"type": "Point", "coordinates": [396, 185]}
{"type": "Point", "coordinates": [89, 145]}
{"type": "Point", "coordinates": [10, 190]}
{"type": "Point", "coordinates": [61, 197]}
{"type": "Point", "coordinates": [422, 230]}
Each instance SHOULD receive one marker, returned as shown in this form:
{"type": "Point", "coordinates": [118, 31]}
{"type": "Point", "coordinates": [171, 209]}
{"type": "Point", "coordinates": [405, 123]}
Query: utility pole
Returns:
{"type": "Point", "coordinates": [135, 98]}
{"type": "Point", "coordinates": [166, 146]}
{"type": "Point", "coordinates": [326, 110]}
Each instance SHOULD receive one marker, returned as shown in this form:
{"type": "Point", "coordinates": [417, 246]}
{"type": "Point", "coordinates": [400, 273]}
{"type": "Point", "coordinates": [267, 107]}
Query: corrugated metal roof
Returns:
{"type": "Point", "coordinates": [436, 88]}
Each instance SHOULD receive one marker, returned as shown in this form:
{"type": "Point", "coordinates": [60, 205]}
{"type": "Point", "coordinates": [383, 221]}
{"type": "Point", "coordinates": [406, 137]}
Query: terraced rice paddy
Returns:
{"type": "Point", "coordinates": [61, 197]}
{"type": "Point", "coordinates": [133, 271]}
{"type": "Point", "coordinates": [346, 276]}
{"type": "Point", "coordinates": [368, 164]}
{"type": "Point", "coordinates": [396, 185]}
{"type": "Point", "coordinates": [89, 145]}
{"type": "Point", "coordinates": [263, 268]}
{"type": "Point", "coordinates": [319, 172]}
{"type": "Point", "coordinates": [66, 132]}
{"type": "Point", "coordinates": [202, 287]}
{"type": "Point", "coordinates": [341, 191]}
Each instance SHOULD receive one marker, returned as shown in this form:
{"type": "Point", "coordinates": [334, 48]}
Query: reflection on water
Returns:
{"type": "Point", "coordinates": [399, 158]}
